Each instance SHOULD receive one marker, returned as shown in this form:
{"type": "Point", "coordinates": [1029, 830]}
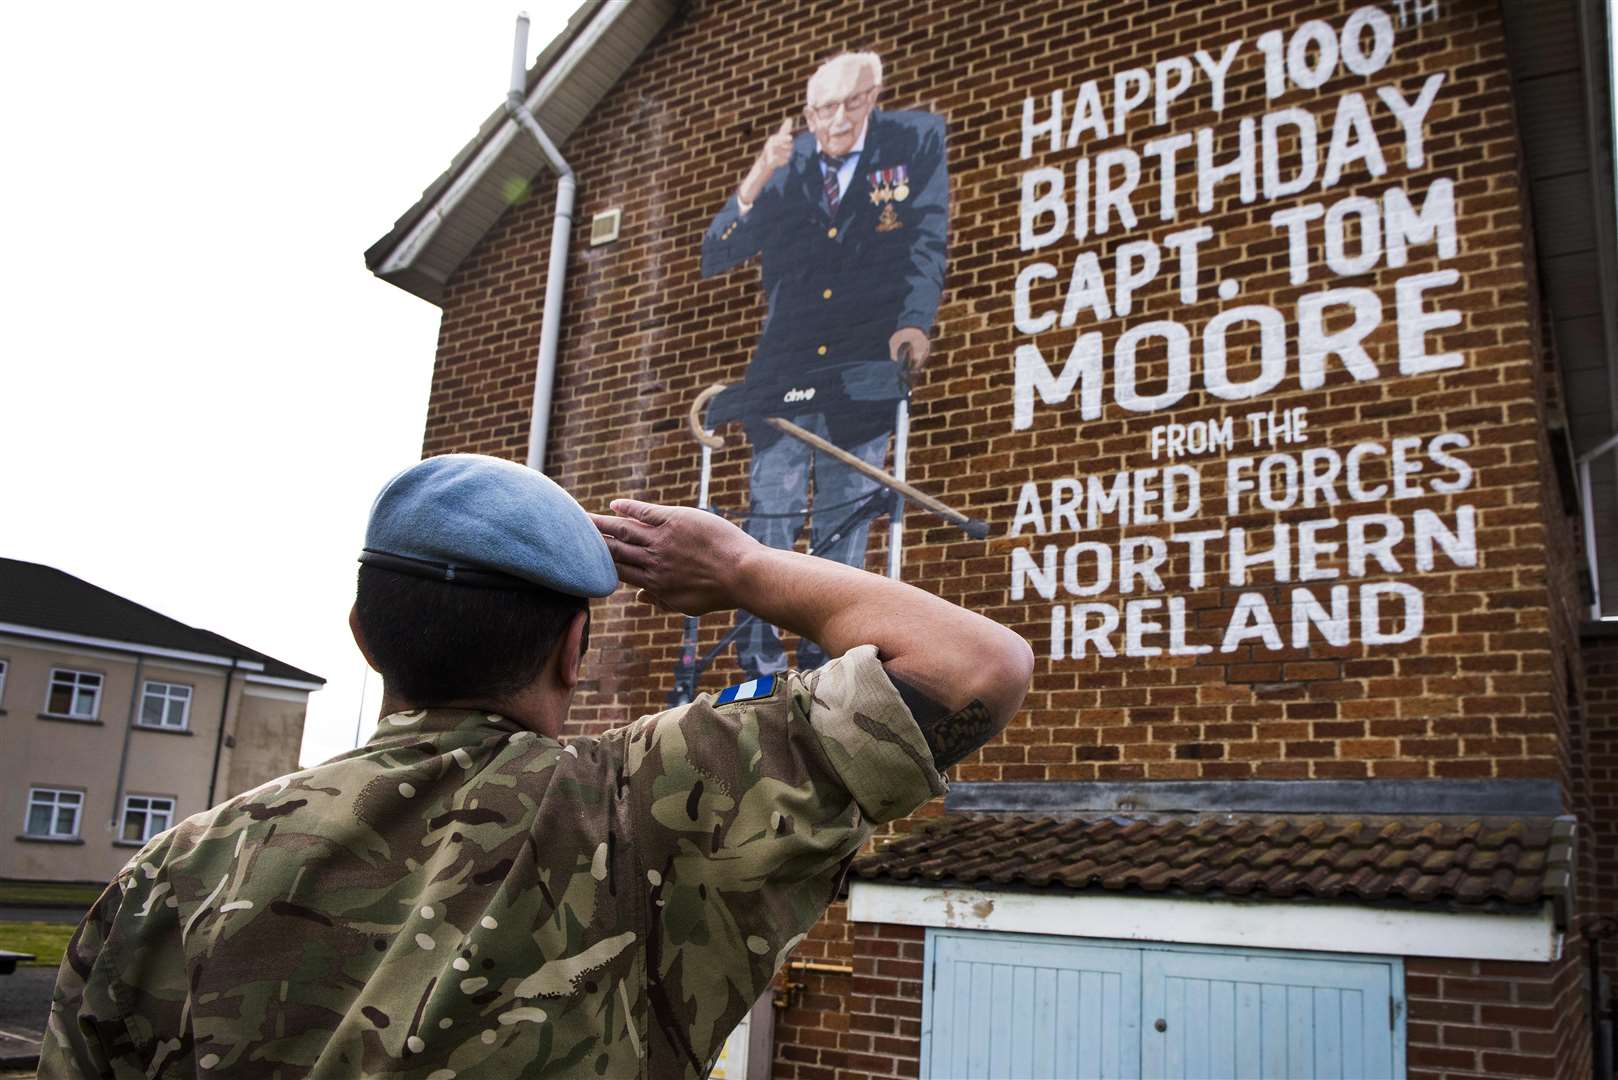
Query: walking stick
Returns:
{"type": "Point", "coordinates": [893, 490]}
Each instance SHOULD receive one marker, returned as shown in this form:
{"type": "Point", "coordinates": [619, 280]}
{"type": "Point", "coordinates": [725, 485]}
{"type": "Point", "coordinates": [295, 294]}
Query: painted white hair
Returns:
{"type": "Point", "coordinates": [859, 61]}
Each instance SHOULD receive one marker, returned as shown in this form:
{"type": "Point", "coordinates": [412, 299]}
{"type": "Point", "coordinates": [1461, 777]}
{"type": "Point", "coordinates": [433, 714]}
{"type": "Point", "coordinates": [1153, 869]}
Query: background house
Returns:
{"type": "Point", "coordinates": [1324, 783]}
{"type": "Point", "coordinates": [118, 722]}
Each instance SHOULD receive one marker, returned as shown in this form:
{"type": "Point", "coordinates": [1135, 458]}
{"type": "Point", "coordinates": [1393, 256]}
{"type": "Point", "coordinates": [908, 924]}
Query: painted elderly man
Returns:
{"type": "Point", "coordinates": [849, 221]}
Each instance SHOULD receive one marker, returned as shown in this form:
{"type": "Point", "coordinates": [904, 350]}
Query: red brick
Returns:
{"type": "Point", "coordinates": [1500, 1038]}
{"type": "Point", "coordinates": [1518, 1065]}
{"type": "Point", "coordinates": [1485, 692]}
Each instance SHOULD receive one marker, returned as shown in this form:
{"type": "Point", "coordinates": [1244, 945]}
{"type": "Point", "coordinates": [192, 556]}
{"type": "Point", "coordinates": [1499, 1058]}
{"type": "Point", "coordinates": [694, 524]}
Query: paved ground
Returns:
{"type": "Point", "coordinates": [25, 1002]}
{"type": "Point", "coordinates": [25, 995]}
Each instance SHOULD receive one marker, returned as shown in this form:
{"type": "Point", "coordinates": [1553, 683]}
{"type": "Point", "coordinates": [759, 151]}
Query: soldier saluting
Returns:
{"type": "Point", "coordinates": [467, 895]}
{"type": "Point", "coordinates": [849, 222]}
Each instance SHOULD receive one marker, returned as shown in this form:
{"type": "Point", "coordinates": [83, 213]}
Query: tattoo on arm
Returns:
{"type": "Point", "coordinates": [950, 735]}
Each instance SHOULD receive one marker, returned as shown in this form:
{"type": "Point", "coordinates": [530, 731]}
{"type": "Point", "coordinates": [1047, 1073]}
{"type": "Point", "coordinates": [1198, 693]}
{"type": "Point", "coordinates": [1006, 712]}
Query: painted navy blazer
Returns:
{"type": "Point", "coordinates": [838, 288]}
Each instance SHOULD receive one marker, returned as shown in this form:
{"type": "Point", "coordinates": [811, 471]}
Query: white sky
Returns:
{"type": "Point", "coordinates": [201, 386]}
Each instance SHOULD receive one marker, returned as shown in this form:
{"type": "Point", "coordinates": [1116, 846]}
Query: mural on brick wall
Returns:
{"type": "Point", "coordinates": [1277, 538]}
{"type": "Point", "coordinates": [843, 216]}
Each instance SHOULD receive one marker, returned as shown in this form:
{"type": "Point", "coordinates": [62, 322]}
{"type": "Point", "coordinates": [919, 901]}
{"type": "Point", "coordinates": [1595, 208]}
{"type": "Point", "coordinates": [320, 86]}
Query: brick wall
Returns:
{"type": "Point", "coordinates": [1482, 692]}
{"type": "Point", "coordinates": [644, 333]}
{"type": "Point", "coordinates": [1464, 1018]}
{"type": "Point", "coordinates": [1471, 1018]}
{"type": "Point", "coordinates": [885, 1008]}
{"type": "Point", "coordinates": [1599, 842]}
{"type": "Point", "coordinates": [807, 1033]}
{"type": "Point", "coordinates": [1567, 719]}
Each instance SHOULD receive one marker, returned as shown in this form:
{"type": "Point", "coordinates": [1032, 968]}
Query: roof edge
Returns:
{"type": "Point", "coordinates": [313, 683]}
{"type": "Point", "coordinates": [471, 160]}
{"type": "Point", "coordinates": [90, 641]}
{"type": "Point", "coordinates": [210, 647]}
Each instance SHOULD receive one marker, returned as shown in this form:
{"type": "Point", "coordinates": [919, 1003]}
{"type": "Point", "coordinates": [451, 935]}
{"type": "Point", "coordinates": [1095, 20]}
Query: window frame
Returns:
{"type": "Point", "coordinates": [167, 698]}
{"type": "Point", "coordinates": [124, 812]}
{"type": "Point", "coordinates": [56, 806]}
{"type": "Point", "coordinates": [50, 690]}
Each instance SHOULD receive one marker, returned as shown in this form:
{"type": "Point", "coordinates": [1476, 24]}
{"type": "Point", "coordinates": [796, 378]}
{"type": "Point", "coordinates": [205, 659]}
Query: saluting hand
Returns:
{"type": "Point", "coordinates": [681, 559]}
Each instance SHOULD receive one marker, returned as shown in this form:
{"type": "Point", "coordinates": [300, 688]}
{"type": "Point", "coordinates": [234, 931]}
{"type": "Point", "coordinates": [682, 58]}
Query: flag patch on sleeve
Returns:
{"type": "Point", "coordinates": [760, 687]}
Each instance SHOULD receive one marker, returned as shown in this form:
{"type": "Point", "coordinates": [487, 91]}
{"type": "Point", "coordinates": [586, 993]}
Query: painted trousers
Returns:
{"type": "Point", "coordinates": [779, 482]}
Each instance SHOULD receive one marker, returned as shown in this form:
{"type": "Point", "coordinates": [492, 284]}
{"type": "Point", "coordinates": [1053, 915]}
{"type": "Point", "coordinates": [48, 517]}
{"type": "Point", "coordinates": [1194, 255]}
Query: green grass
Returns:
{"type": "Point", "coordinates": [45, 940]}
{"type": "Point", "coordinates": [23, 893]}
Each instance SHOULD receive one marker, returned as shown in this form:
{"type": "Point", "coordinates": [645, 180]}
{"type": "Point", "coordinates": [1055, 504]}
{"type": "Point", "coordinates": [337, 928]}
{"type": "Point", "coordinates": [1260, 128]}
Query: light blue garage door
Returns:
{"type": "Point", "coordinates": [1023, 1005]}
{"type": "Point", "coordinates": [1017, 1005]}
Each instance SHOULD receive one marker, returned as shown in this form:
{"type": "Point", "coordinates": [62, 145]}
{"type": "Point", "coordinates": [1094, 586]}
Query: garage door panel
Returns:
{"type": "Point", "coordinates": [977, 1052]}
{"type": "Point", "coordinates": [1353, 1020]}
{"type": "Point", "coordinates": [1025, 1005]}
{"type": "Point", "coordinates": [1016, 1005]}
{"type": "Point", "coordinates": [1246, 1034]}
{"type": "Point", "coordinates": [1004, 998]}
{"type": "Point", "coordinates": [1328, 1020]}
{"type": "Point", "coordinates": [1298, 1017]}
{"type": "Point", "coordinates": [1029, 1007]}
{"type": "Point", "coordinates": [1094, 1039]}
{"type": "Point", "coordinates": [1046, 1030]}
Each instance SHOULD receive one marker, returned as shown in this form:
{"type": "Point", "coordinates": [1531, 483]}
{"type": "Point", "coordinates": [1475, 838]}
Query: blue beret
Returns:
{"type": "Point", "coordinates": [487, 523]}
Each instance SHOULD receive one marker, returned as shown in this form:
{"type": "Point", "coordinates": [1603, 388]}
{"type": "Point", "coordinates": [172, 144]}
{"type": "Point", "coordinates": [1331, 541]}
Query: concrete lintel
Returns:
{"type": "Point", "coordinates": [1541, 798]}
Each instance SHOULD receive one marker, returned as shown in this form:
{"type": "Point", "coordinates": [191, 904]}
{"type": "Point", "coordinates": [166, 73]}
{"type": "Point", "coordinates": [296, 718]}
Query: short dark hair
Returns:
{"type": "Point", "coordinates": [435, 642]}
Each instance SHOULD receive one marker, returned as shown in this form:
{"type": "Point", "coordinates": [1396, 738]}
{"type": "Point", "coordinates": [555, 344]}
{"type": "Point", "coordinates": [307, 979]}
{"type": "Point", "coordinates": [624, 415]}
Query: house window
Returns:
{"type": "Point", "coordinates": [165, 705]}
{"type": "Point", "coordinates": [145, 816]}
{"type": "Point", "coordinates": [74, 693]}
{"type": "Point", "coordinates": [53, 813]}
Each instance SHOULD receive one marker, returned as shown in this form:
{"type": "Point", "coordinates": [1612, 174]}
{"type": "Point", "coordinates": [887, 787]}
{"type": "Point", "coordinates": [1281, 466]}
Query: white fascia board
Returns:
{"type": "Point", "coordinates": [276, 680]}
{"type": "Point", "coordinates": [421, 234]}
{"type": "Point", "coordinates": [1310, 926]}
{"type": "Point", "coordinates": [15, 641]}
{"type": "Point", "coordinates": [128, 647]}
{"type": "Point", "coordinates": [275, 693]}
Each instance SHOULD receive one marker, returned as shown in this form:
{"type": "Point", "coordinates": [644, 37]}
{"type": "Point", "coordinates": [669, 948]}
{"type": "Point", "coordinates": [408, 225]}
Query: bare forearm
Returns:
{"type": "Point", "coordinates": [752, 185]}
{"type": "Point", "coordinates": [776, 152]}
{"type": "Point", "coordinates": [949, 654]}
{"type": "Point", "coordinates": [962, 675]}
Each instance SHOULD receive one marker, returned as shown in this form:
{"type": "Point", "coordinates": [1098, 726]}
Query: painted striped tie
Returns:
{"type": "Point", "coordinates": [834, 194]}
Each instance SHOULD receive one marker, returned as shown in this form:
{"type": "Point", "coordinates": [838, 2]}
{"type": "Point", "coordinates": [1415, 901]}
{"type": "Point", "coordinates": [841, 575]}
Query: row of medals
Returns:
{"type": "Point", "coordinates": [890, 186]}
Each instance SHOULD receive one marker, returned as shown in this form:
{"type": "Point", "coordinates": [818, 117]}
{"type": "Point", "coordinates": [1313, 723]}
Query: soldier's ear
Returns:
{"type": "Point", "coordinates": [574, 644]}
{"type": "Point", "coordinates": [359, 636]}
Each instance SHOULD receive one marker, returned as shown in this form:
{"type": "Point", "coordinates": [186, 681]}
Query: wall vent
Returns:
{"type": "Point", "coordinates": [604, 227]}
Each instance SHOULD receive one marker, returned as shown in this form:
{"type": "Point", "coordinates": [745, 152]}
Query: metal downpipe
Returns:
{"type": "Point", "coordinates": [550, 326]}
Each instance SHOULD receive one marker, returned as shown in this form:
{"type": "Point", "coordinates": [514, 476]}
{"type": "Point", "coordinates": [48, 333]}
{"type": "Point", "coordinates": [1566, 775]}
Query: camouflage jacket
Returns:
{"type": "Point", "coordinates": [463, 897]}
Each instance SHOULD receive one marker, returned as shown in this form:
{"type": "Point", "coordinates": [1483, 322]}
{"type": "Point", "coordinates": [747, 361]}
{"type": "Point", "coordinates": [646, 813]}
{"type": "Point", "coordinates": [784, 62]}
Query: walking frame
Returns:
{"type": "Point", "coordinates": [888, 497]}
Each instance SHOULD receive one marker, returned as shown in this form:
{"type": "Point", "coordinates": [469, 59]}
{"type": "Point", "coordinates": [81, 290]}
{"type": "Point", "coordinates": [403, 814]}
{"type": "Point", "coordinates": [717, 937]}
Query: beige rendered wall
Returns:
{"type": "Point", "coordinates": [267, 733]}
{"type": "Point", "coordinates": [38, 751]}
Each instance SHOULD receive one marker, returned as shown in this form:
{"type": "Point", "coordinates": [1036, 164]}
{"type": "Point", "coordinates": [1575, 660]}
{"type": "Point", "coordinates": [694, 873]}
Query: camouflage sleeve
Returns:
{"type": "Point", "coordinates": [744, 816]}
{"type": "Point", "coordinates": [122, 992]}
{"type": "Point", "coordinates": [870, 736]}
{"type": "Point", "coordinates": [84, 1014]}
